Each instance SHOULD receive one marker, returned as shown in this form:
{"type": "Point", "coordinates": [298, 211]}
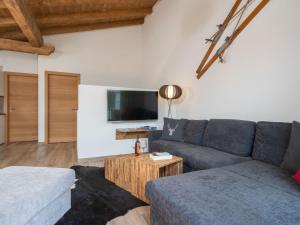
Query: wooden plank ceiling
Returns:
{"type": "Point", "coordinates": [23, 23]}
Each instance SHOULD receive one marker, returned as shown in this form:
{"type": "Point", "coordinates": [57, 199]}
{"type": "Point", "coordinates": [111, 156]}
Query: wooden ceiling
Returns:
{"type": "Point", "coordinates": [24, 22]}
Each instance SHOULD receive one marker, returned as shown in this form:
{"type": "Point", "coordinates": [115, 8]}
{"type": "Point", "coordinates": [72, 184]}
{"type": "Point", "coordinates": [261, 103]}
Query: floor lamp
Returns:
{"type": "Point", "coordinates": [170, 92]}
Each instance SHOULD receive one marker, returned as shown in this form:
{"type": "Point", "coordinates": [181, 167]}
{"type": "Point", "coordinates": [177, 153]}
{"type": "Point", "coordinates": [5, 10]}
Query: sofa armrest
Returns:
{"type": "Point", "coordinates": [154, 135]}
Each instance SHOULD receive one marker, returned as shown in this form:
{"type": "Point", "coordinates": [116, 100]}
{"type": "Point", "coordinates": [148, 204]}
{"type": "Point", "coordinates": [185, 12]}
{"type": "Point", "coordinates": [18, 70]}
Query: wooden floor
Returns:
{"type": "Point", "coordinates": [137, 216]}
{"type": "Point", "coordinates": [36, 154]}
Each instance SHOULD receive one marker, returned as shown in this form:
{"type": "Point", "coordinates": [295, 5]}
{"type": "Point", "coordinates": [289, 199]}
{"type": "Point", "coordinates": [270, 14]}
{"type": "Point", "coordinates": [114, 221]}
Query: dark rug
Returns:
{"type": "Point", "coordinates": [96, 201]}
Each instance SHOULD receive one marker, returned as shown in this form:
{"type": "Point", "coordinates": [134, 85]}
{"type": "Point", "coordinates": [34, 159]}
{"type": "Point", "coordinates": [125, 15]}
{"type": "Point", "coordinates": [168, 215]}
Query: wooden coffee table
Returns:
{"type": "Point", "coordinates": [132, 172]}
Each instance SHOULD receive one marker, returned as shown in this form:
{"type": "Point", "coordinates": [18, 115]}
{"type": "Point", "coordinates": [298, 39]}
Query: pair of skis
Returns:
{"type": "Point", "coordinates": [205, 64]}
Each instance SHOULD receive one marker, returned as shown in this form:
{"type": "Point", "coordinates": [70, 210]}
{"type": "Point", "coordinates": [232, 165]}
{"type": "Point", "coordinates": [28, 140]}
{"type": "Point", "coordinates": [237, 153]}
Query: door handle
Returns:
{"type": "Point", "coordinates": [11, 109]}
{"type": "Point", "coordinates": [74, 109]}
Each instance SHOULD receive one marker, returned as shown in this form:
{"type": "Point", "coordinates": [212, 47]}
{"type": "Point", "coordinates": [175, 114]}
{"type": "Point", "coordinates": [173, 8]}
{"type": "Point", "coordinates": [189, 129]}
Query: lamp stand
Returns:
{"type": "Point", "coordinates": [170, 108]}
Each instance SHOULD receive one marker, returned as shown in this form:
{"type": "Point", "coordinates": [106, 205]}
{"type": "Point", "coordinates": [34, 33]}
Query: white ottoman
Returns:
{"type": "Point", "coordinates": [34, 195]}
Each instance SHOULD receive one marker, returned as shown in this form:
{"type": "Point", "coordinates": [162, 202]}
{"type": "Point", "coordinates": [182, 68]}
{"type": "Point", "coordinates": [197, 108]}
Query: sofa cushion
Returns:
{"type": "Point", "coordinates": [194, 131]}
{"type": "Point", "coordinates": [173, 130]}
{"type": "Point", "coordinates": [291, 160]}
{"type": "Point", "coordinates": [221, 196]}
{"type": "Point", "coordinates": [232, 136]}
{"type": "Point", "coordinates": [169, 146]}
{"type": "Point", "coordinates": [271, 142]}
{"type": "Point", "coordinates": [197, 157]}
{"type": "Point", "coordinates": [25, 191]}
{"type": "Point", "coordinates": [266, 174]}
{"type": "Point", "coordinates": [201, 158]}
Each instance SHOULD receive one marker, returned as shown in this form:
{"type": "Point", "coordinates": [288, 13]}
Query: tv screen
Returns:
{"type": "Point", "coordinates": [132, 105]}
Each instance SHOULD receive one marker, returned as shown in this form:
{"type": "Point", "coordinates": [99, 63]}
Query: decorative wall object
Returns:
{"type": "Point", "coordinates": [235, 13]}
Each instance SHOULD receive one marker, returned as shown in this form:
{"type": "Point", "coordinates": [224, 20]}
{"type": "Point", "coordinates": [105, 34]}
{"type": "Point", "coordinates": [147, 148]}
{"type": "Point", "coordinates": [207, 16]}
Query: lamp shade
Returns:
{"type": "Point", "coordinates": [170, 92]}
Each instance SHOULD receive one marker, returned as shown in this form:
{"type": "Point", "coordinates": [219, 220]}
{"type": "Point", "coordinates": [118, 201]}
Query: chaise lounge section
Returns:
{"type": "Point", "coordinates": [237, 178]}
{"type": "Point", "coordinates": [34, 195]}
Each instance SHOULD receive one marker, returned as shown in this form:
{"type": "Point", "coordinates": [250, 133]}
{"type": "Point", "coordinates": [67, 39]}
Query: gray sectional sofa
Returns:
{"type": "Point", "coordinates": [234, 176]}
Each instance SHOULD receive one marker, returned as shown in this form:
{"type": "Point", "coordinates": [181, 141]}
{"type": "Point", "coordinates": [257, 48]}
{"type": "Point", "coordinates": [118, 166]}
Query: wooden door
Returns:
{"type": "Point", "coordinates": [21, 107]}
{"type": "Point", "coordinates": [61, 107]}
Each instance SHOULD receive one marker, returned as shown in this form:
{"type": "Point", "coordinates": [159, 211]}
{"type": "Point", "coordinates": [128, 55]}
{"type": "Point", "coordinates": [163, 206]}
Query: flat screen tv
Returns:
{"type": "Point", "coordinates": [123, 105]}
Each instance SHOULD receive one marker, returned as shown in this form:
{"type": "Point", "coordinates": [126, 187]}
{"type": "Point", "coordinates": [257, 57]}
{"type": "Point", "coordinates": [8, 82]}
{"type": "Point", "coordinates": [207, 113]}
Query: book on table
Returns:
{"type": "Point", "coordinates": [160, 156]}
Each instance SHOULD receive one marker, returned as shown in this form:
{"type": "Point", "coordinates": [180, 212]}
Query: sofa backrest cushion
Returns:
{"type": "Point", "coordinates": [291, 159]}
{"type": "Point", "coordinates": [173, 129]}
{"type": "Point", "coordinates": [232, 136]}
{"type": "Point", "coordinates": [271, 142]}
{"type": "Point", "coordinates": [194, 131]}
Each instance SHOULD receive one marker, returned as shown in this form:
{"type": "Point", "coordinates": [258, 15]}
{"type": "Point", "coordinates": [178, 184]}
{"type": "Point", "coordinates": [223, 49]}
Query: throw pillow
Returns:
{"type": "Point", "coordinates": [296, 177]}
{"type": "Point", "coordinates": [173, 129]}
{"type": "Point", "coordinates": [291, 159]}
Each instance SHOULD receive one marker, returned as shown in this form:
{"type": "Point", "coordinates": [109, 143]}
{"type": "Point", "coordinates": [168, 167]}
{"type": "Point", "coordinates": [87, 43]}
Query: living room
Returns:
{"type": "Point", "coordinates": [221, 79]}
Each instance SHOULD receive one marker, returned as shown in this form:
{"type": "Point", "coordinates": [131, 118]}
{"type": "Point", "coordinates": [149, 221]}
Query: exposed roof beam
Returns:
{"type": "Point", "coordinates": [82, 18]}
{"type": "Point", "coordinates": [21, 46]}
{"type": "Point", "coordinates": [57, 3]}
{"type": "Point", "coordinates": [93, 18]}
{"type": "Point", "coordinates": [14, 35]}
{"type": "Point", "coordinates": [75, 28]}
{"type": "Point", "coordinates": [7, 22]}
{"type": "Point", "coordinates": [80, 28]}
{"type": "Point", "coordinates": [26, 22]}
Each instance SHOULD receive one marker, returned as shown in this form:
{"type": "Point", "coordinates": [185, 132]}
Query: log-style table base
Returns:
{"type": "Point", "coordinates": [132, 172]}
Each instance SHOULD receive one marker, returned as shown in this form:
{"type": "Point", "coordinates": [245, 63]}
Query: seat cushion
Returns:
{"type": "Point", "coordinates": [194, 131]}
{"type": "Point", "coordinates": [271, 142]}
{"type": "Point", "coordinates": [24, 191]}
{"type": "Point", "coordinates": [232, 136]}
{"type": "Point", "coordinates": [201, 158]}
{"type": "Point", "coordinates": [222, 196]}
{"type": "Point", "coordinates": [173, 129]}
{"type": "Point", "coordinates": [197, 157]}
{"type": "Point", "coordinates": [266, 174]}
{"type": "Point", "coordinates": [169, 146]}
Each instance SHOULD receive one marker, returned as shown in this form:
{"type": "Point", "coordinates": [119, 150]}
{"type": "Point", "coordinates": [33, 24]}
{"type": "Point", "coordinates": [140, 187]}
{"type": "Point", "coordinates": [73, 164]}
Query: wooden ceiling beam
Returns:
{"type": "Point", "coordinates": [59, 3]}
{"type": "Point", "coordinates": [75, 28]}
{"type": "Point", "coordinates": [92, 18]}
{"type": "Point", "coordinates": [21, 46]}
{"type": "Point", "coordinates": [82, 18]}
{"type": "Point", "coordinates": [80, 28]}
{"type": "Point", "coordinates": [25, 20]}
{"type": "Point", "coordinates": [14, 35]}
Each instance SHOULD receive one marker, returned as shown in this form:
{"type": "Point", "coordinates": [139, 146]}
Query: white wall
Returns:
{"type": "Point", "coordinates": [260, 79]}
{"type": "Point", "coordinates": [102, 57]}
{"type": "Point", "coordinates": [96, 136]}
{"type": "Point", "coordinates": [18, 62]}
